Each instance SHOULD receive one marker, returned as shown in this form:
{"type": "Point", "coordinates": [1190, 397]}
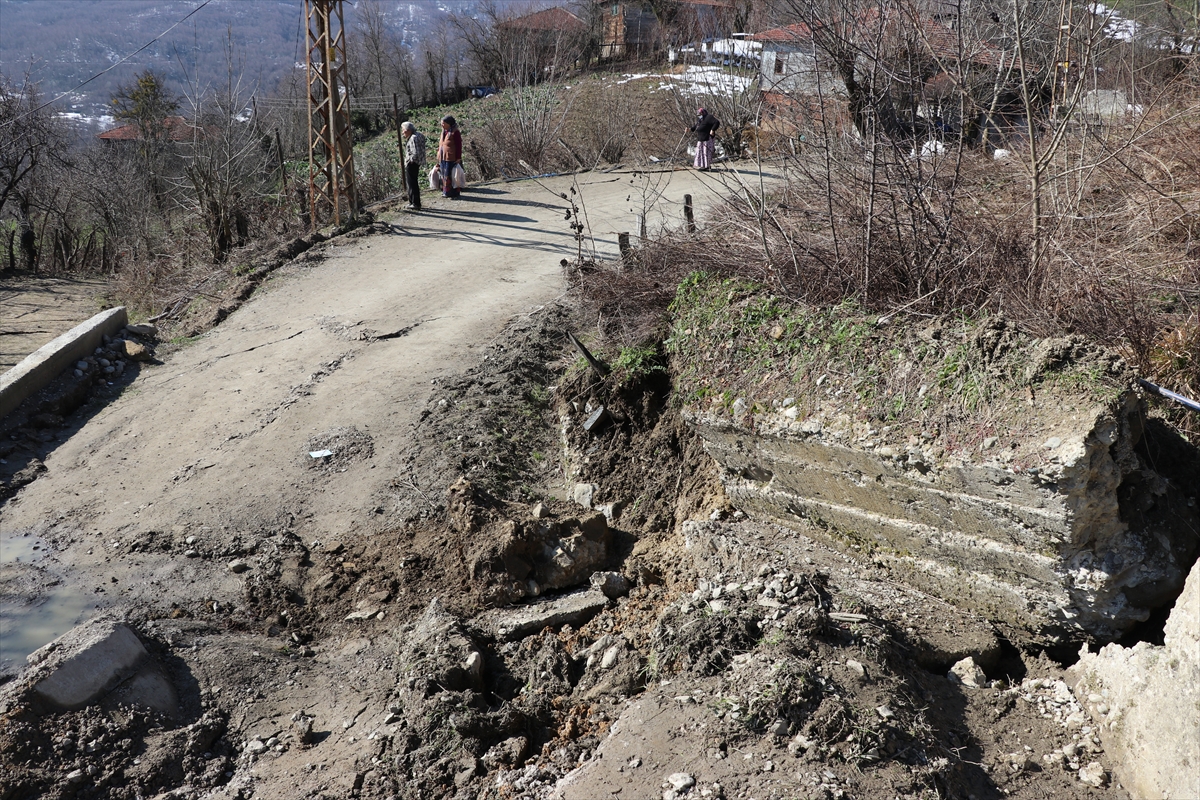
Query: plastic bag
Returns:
{"type": "Point", "coordinates": [435, 179]}
{"type": "Point", "coordinates": [458, 177]}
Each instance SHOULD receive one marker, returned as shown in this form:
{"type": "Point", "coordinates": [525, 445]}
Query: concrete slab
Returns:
{"type": "Point", "coordinates": [1144, 700]}
{"type": "Point", "coordinates": [45, 364]}
{"type": "Point", "coordinates": [1053, 553]}
{"type": "Point", "coordinates": [86, 662]}
{"type": "Point", "coordinates": [508, 624]}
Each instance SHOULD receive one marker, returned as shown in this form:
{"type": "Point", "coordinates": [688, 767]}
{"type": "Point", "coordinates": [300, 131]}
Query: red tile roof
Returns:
{"type": "Point", "coordinates": [177, 129]}
{"type": "Point", "coordinates": [552, 19]}
{"type": "Point", "coordinates": [941, 41]}
{"type": "Point", "coordinates": [788, 33]}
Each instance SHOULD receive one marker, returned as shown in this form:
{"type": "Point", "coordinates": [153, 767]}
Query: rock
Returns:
{"type": "Point", "coordinates": [83, 366]}
{"type": "Point", "coordinates": [780, 728]}
{"type": "Point", "coordinates": [91, 661]}
{"type": "Point", "coordinates": [1094, 775]}
{"type": "Point", "coordinates": [1150, 741]}
{"type": "Point", "coordinates": [508, 624]}
{"type": "Point", "coordinates": [596, 421]}
{"type": "Point", "coordinates": [967, 673]}
{"type": "Point", "coordinates": [474, 668]}
{"type": "Point", "coordinates": [142, 329]}
{"type": "Point", "coordinates": [254, 747]}
{"type": "Point", "coordinates": [438, 650]}
{"type": "Point", "coordinates": [540, 511]}
{"type": "Point", "coordinates": [610, 657]}
{"type": "Point", "coordinates": [1053, 443]}
{"type": "Point", "coordinates": [137, 351]}
{"type": "Point", "coordinates": [857, 668]}
{"type": "Point", "coordinates": [238, 566]}
{"type": "Point", "coordinates": [303, 726]}
{"type": "Point", "coordinates": [885, 712]}
{"type": "Point", "coordinates": [583, 494]}
{"type": "Point", "coordinates": [611, 510]}
{"type": "Point", "coordinates": [612, 584]}
{"type": "Point", "coordinates": [362, 614]}
{"type": "Point", "coordinates": [680, 781]}
{"type": "Point", "coordinates": [510, 752]}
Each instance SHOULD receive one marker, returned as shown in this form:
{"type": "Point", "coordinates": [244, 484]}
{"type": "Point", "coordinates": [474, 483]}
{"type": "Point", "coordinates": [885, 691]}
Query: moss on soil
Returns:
{"type": "Point", "coordinates": [963, 378]}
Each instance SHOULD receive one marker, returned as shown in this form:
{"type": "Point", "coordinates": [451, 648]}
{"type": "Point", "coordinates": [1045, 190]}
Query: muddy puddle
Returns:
{"type": "Point", "coordinates": [35, 606]}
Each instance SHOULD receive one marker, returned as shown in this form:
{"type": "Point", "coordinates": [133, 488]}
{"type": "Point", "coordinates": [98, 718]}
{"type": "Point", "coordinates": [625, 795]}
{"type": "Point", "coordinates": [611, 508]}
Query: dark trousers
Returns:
{"type": "Point", "coordinates": [448, 189]}
{"type": "Point", "coordinates": [413, 174]}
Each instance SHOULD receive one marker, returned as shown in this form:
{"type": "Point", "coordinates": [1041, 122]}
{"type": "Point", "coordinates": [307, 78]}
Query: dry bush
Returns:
{"type": "Point", "coordinates": [950, 234]}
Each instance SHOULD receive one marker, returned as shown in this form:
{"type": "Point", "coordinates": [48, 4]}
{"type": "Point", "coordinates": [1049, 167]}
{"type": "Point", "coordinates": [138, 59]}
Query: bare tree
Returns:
{"type": "Point", "coordinates": [30, 144]}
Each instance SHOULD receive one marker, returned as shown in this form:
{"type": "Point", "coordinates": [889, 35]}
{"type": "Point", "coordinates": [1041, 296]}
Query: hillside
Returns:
{"type": "Point", "coordinates": [63, 43]}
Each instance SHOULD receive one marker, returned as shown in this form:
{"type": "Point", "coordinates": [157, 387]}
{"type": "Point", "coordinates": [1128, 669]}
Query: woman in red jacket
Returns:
{"type": "Point", "coordinates": [449, 155]}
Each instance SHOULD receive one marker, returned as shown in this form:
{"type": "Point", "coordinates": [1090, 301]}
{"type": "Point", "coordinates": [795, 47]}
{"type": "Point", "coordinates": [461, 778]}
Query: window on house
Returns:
{"type": "Point", "coordinates": [778, 64]}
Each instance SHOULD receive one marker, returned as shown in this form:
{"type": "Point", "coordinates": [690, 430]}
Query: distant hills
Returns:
{"type": "Point", "coordinates": [61, 43]}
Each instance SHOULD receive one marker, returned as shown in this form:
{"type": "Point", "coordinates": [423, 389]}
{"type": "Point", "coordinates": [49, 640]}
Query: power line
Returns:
{"type": "Point", "coordinates": [103, 71]}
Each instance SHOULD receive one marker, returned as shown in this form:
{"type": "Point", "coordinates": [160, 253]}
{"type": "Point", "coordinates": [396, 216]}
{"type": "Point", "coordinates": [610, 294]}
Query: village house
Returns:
{"type": "Point", "coordinates": [549, 38]}
{"type": "Point", "coordinates": [634, 30]}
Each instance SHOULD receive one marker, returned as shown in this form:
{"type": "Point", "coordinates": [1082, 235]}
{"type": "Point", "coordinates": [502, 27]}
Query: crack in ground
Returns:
{"type": "Point", "coordinates": [258, 346]}
{"type": "Point", "coordinates": [302, 390]}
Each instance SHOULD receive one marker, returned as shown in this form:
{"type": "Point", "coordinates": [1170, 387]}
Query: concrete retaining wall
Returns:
{"type": "Point", "coordinates": [1084, 547]}
{"type": "Point", "coordinates": [41, 367]}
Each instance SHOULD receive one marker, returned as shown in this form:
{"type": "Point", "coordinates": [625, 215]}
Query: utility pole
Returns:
{"type": "Point", "coordinates": [330, 138]}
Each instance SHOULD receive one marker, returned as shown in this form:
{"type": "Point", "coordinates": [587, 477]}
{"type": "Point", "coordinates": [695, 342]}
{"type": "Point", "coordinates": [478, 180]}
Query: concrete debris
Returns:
{"type": "Point", "coordinates": [968, 528]}
{"type": "Point", "coordinates": [596, 420]}
{"type": "Point", "coordinates": [508, 624]}
{"type": "Point", "coordinates": [583, 494]}
{"type": "Point", "coordinates": [90, 662]}
{"type": "Point", "coordinates": [612, 584]}
{"type": "Point", "coordinates": [967, 673]}
{"type": "Point", "coordinates": [1138, 695]}
{"type": "Point", "coordinates": [238, 566]}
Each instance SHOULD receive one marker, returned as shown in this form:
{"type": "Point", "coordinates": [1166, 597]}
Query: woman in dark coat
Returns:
{"type": "Point", "coordinates": [705, 128]}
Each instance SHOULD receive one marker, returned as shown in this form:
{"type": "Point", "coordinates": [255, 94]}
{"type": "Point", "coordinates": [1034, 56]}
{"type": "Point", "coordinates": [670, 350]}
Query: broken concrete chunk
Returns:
{"type": "Point", "coordinates": [1083, 542]}
{"type": "Point", "coordinates": [142, 329]}
{"type": "Point", "coordinates": [583, 494]}
{"type": "Point", "coordinates": [238, 566]}
{"type": "Point", "coordinates": [967, 673]}
{"type": "Point", "coordinates": [596, 420]}
{"type": "Point", "coordinates": [89, 662]}
{"type": "Point", "coordinates": [86, 662]}
{"type": "Point", "coordinates": [1143, 700]}
{"type": "Point", "coordinates": [612, 584]}
{"type": "Point", "coordinates": [508, 624]}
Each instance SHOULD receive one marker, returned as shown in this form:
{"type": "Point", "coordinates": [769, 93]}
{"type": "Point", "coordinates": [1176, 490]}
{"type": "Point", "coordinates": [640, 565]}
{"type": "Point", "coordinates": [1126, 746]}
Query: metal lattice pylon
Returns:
{"type": "Point", "coordinates": [330, 139]}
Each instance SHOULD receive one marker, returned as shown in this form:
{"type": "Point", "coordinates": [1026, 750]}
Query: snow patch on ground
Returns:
{"type": "Point", "coordinates": [696, 81]}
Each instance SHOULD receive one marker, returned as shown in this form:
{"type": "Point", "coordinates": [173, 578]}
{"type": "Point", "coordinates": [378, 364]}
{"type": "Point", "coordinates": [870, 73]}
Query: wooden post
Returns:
{"type": "Point", "coordinates": [688, 214]}
{"type": "Point", "coordinates": [282, 171]}
{"type": "Point", "coordinates": [623, 246]}
{"type": "Point", "coordinates": [400, 139]}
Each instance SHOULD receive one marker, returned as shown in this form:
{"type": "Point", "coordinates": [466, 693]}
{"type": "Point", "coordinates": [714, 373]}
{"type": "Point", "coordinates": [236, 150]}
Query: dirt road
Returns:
{"type": "Point", "coordinates": [343, 347]}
